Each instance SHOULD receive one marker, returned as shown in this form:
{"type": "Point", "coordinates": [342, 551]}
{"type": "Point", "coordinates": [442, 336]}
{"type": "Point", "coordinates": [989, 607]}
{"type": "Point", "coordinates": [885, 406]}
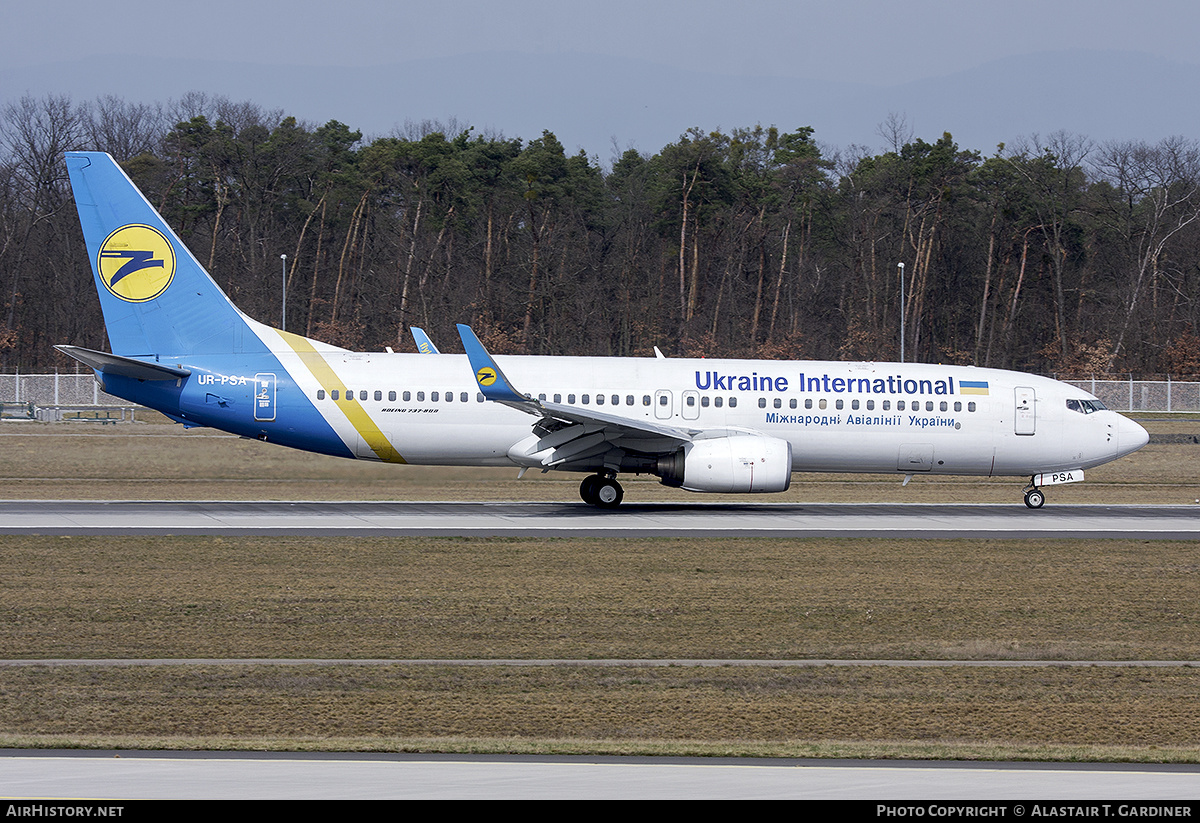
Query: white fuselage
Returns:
{"type": "Point", "coordinates": [838, 416]}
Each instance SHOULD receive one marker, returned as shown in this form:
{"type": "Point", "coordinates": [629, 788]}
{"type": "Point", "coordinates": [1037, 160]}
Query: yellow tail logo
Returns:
{"type": "Point", "coordinates": [136, 263]}
{"type": "Point", "coordinates": [486, 376]}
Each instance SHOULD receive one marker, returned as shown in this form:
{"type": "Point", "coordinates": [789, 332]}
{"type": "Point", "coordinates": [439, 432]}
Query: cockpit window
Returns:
{"type": "Point", "coordinates": [1085, 406]}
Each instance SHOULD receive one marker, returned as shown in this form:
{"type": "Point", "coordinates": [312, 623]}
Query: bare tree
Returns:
{"type": "Point", "coordinates": [124, 130]}
{"type": "Point", "coordinates": [1161, 188]}
{"type": "Point", "coordinates": [895, 131]}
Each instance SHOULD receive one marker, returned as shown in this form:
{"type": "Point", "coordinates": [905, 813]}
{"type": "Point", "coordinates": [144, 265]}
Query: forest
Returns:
{"type": "Point", "coordinates": [1054, 255]}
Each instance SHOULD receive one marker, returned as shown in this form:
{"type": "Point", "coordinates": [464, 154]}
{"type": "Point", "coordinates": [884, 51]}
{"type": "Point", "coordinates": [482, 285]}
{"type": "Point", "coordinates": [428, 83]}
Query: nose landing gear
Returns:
{"type": "Point", "coordinates": [601, 490]}
{"type": "Point", "coordinates": [1034, 497]}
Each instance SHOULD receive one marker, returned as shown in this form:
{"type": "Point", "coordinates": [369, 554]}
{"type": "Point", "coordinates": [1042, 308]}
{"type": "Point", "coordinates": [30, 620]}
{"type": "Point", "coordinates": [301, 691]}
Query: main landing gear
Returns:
{"type": "Point", "coordinates": [1034, 497]}
{"type": "Point", "coordinates": [601, 490]}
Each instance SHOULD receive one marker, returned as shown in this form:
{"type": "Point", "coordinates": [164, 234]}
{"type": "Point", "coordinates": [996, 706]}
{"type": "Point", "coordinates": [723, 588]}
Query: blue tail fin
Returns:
{"type": "Point", "coordinates": [156, 297]}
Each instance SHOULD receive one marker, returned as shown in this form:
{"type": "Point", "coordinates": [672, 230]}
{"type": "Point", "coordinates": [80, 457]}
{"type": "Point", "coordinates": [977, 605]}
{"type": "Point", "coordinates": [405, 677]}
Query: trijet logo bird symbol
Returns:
{"type": "Point", "coordinates": [136, 263]}
{"type": "Point", "coordinates": [137, 260]}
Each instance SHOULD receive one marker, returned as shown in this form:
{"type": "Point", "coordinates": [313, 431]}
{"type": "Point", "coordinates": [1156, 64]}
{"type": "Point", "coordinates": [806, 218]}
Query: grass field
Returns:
{"type": "Point", "coordinates": [756, 600]}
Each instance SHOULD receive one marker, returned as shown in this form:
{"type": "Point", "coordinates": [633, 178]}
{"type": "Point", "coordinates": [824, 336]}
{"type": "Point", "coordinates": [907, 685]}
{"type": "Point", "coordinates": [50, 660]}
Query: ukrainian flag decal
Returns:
{"type": "Point", "coordinates": [972, 387]}
{"type": "Point", "coordinates": [486, 376]}
{"type": "Point", "coordinates": [136, 263]}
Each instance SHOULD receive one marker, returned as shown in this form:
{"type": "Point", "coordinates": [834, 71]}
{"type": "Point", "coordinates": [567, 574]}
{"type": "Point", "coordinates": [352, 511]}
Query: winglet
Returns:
{"type": "Point", "coordinates": [424, 344]}
{"type": "Point", "coordinates": [492, 382]}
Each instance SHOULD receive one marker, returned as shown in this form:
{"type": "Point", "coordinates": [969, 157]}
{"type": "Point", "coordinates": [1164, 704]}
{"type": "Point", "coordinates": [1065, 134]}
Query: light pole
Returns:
{"type": "Point", "coordinates": [283, 290]}
{"type": "Point", "coordinates": [901, 267]}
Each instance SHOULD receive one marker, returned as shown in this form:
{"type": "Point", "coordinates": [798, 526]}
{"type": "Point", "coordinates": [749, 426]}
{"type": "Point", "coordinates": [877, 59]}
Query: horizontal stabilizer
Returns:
{"type": "Point", "coordinates": [123, 366]}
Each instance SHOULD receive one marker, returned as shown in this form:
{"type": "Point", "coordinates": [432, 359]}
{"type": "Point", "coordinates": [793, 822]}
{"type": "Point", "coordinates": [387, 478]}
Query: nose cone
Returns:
{"type": "Point", "coordinates": [1130, 436]}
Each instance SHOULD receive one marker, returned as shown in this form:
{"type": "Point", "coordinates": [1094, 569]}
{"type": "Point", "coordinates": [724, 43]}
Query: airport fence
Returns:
{"type": "Point", "coordinates": [59, 397]}
{"type": "Point", "coordinates": [26, 394]}
{"type": "Point", "coordinates": [1144, 395]}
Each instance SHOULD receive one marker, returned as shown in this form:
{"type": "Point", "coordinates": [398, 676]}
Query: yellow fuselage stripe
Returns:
{"type": "Point", "coordinates": [355, 413]}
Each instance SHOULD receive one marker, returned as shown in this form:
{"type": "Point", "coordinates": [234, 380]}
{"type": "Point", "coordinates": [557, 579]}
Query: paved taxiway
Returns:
{"type": "Point", "coordinates": [577, 519]}
{"type": "Point", "coordinates": [250, 775]}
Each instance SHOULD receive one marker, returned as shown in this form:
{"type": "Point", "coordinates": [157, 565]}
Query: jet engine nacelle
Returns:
{"type": "Point", "coordinates": [738, 464]}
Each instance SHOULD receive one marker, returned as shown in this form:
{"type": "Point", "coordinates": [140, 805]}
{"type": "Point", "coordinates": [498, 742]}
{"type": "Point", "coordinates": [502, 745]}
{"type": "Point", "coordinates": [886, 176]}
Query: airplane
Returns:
{"type": "Point", "coordinates": [180, 346]}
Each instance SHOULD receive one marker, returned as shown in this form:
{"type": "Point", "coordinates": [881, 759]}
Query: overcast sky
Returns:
{"type": "Point", "coordinates": [875, 42]}
{"type": "Point", "coordinates": [579, 67]}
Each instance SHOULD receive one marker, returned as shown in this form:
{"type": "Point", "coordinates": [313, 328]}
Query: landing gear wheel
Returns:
{"type": "Point", "coordinates": [587, 489]}
{"type": "Point", "coordinates": [608, 493]}
{"type": "Point", "coordinates": [1034, 498]}
{"type": "Point", "coordinates": [598, 490]}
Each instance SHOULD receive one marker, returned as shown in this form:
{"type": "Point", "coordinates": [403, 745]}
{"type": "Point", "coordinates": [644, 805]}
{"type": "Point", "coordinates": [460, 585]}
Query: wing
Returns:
{"type": "Point", "coordinates": [424, 344]}
{"type": "Point", "coordinates": [566, 434]}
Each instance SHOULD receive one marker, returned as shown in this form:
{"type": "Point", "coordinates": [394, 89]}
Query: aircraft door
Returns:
{"type": "Point", "coordinates": [663, 404]}
{"type": "Point", "coordinates": [691, 405]}
{"type": "Point", "coordinates": [373, 444]}
{"type": "Point", "coordinates": [1025, 418]}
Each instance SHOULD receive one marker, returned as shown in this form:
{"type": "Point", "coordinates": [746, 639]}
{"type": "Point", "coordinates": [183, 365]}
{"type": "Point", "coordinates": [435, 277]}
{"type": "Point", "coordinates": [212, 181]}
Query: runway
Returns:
{"type": "Point", "coordinates": [511, 519]}
{"type": "Point", "coordinates": [131, 775]}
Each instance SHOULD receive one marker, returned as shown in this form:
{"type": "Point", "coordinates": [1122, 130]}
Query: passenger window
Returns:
{"type": "Point", "coordinates": [691, 401]}
{"type": "Point", "coordinates": [378, 395]}
{"type": "Point", "coordinates": [629, 400]}
{"type": "Point", "coordinates": [870, 405]}
{"type": "Point", "coordinates": [732, 402]}
{"type": "Point", "coordinates": [362, 395]}
{"type": "Point", "coordinates": [645, 400]}
{"type": "Point", "coordinates": [887, 405]}
{"type": "Point", "coordinates": [704, 402]}
{"type": "Point", "coordinates": [808, 402]}
{"type": "Point", "coordinates": [971, 406]}
{"type": "Point", "coordinates": [571, 399]}
{"type": "Point", "coordinates": [585, 398]}
{"type": "Point", "coordinates": [899, 405]}
{"type": "Point", "coordinates": [599, 400]}
{"type": "Point", "coordinates": [958, 405]}
{"type": "Point", "coordinates": [391, 397]}
{"type": "Point", "coordinates": [943, 406]}
{"type": "Point", "coordinates": [433, 397]}
{"type": "Point", "coordinates": [762, 402]}
{"type": "Point", "coordinates": [558, 398]}
{"type": "Point", "coordinates": [616, 399]}
{"type": "Point", "coordinates": [449, 397]}
{"type": "Point", "coordinates": [541, 397]}
{"type": "Point", "coordinates": [407, 396]}
{"type": "Point", "coordinates": [420, 397]}
{"type": "Point", "coordinates": [778, 403]}
{"type": "Point", "coordinates": [463, 397]}
{"type": "Point", "coordinates": [792, 403]}
{"type": "Point", "coordinates": [838, 404]}
{"type": "Point", "coordinates": [717, 402]}
{"type": "Point", "coordinates": [822, 403]}
{"type": "Point", "coordinates": [854, 404]}
{"type": "Point", "coordinates": [320, 394]}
